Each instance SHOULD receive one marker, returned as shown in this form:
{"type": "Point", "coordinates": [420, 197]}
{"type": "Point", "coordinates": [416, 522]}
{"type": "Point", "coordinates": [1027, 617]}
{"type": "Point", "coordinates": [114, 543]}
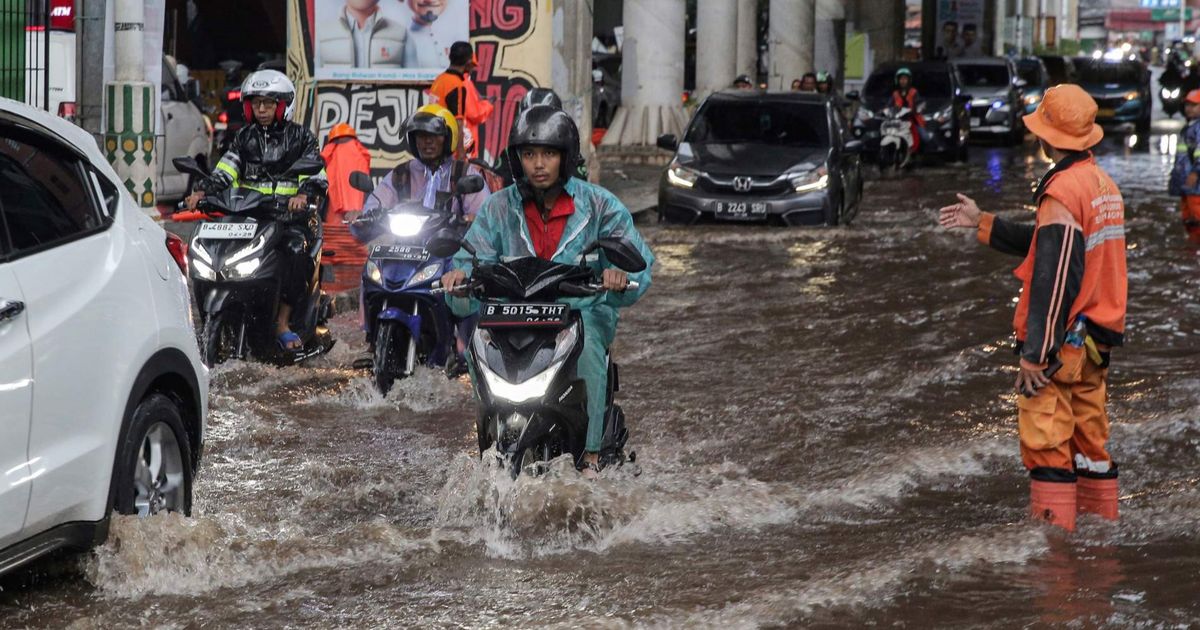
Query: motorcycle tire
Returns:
{"type": "Point", "coordinates": [219, 340]}
{"type": "Point", "coordinates": [382, 375]}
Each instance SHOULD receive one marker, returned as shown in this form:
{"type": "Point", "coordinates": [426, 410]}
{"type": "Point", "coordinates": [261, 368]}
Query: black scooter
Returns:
{"type": "Point", "coordinates": [235, 263]}
{"type": "Point", "coordinates": [524, 352]}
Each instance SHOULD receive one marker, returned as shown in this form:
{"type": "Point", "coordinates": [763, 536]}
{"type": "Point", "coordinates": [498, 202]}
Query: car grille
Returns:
{"type": "Point", "coordinates": [760, 186]}
{"type": "Point", "coordinates": [1114, 102]}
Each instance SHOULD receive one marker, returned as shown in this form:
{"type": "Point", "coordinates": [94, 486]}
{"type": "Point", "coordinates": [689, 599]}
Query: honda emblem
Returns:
{"type": "Point", "coordinates": [742, 184]}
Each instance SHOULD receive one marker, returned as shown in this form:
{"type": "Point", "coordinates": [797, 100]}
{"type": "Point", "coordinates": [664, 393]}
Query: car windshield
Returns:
{"type": "Point", "coordinates": [1030, 72]}
{"type": "Point", "coordinates": [778, 123]}
{"type": "Point", "coordinates": [931, 82]}
{"type": "Point", "coordinates": [989, 75]}
{"type": "Point", "coordinates": [1097, 71]}
{"type": "Point", "coordinates": [1057, 68]}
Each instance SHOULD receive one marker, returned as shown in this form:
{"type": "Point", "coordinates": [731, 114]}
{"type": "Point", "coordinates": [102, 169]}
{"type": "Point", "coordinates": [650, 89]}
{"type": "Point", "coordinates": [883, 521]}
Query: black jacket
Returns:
{"type": "Point", "coordinates": [257, 154]}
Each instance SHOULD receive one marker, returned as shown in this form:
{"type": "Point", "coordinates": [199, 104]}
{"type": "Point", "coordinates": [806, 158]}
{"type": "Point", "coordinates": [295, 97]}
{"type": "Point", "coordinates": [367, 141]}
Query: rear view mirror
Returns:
{"type": "Point", "coordinates": [469, 184]}
{"type": "Point", "coordinates": [445, 243]}
{"type": "Point", "coordinates": [361, 182]}
{"type": "Point", "coordinates": [853, 95]}
{"type": "Point", "coordinates": [621, 253]}
{"type": "Point", "coordinates": [306, 166]}
{"type": "Point", "coordinates": [668, 142]}
{"type": "Point", "coordinates": [189, 166]}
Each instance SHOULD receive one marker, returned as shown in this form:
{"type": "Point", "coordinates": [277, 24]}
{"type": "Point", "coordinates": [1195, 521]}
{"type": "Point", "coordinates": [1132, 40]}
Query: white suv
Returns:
{"type": "Point", "coordinates": [102, 392]}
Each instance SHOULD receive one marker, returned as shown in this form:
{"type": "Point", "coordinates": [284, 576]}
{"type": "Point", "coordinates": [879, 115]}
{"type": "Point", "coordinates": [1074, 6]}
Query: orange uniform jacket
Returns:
{"type": "Point", "coordinates": [1074, 259]}
{"type": "Point", "coordinates": [341, 159]}
{"type": "Point", "coordinates": [455, 91]}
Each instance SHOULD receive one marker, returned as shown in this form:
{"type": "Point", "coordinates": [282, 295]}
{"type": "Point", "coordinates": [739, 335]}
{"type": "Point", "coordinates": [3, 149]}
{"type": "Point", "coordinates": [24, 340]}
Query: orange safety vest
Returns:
{"type": "Point", "coordinates": [473, 111]}
{"type": "Point", "coordinates": [1094, 201]}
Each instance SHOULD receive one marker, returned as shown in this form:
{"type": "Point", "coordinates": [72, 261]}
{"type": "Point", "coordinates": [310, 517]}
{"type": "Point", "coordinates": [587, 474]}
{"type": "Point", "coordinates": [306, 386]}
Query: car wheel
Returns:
{"type": "Point", "coordinates": [153, 470]}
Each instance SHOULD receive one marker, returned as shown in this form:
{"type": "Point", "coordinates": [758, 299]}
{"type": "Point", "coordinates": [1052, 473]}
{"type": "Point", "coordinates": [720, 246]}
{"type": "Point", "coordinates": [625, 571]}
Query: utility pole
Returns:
{"type": "Point", "coordinates": [572, 73]}
{"type": "Point", "coordinates": [129, 130]}
{"type": "Point", "coordinates": [89, 93]}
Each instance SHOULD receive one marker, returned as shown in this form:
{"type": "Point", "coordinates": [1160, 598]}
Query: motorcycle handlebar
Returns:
{"type": "Point", "coordinates": [592, 287]}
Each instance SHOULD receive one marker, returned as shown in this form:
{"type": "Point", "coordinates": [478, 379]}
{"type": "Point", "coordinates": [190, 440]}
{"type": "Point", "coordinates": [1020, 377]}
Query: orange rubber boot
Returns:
{"type": "Point", "coordinates": [1097, 496]}
{"type": "Point", "coordinates": [1053, 502]}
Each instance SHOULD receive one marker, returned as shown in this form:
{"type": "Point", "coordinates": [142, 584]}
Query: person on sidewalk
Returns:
{"type": "Point", "coordinates": [1185, 175]}
{"type": "Point", "coordinates": [1070, 313]}
{"type": "Point", "coordinates": [455, 91]}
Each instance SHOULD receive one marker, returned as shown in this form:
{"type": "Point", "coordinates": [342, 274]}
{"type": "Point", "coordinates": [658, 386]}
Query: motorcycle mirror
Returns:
{"type": "Point", "coordinates": [445, 243]}
{"type": "Point", "coordinates": [306, 166]}
{"type": "Point", "coordinates": [668, 142]}
{"type": "Point", "coordinates": [469, 184]}
{"type": "Point", "coordinates": [620, 252]}
{"type": "Point", "coordinates": [189, 166]}
{"type": "Point", "coordinates": [853, 95]}
{"type": "Point", "coordinates": [361, 182]}
{"type": "Point", "coordinates": [854, 146]}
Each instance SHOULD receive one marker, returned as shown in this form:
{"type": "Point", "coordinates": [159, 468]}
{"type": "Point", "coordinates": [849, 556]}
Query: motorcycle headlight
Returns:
{"type": "Point", "coordinates": [200, 252]}
{"type": "Point", "coordinates": [944, 115]}
{"type": "Point", "coordinates": [682, 176]}
{"type": "Point", "coordinates": [407, 224]}
{"type": "Point", "coordinates": [425, 275]}
{"type": "Point", "coordinates": [533, 388]}
{"type": "Point", "coordinates": [564, 342]}
{"type": "Point", "coordinates": [1166, 93]}
{"type": "Point", "coordinates": [374, 273]}
{"type": "Point", "coordinates": [243, 269]}
{"type": "Point", "coordinates": [1131, 95]}
{"type": "Point", "coordinates": [202, 270]}
{"type": "Point", "coordinates": [865, 114]}
{"type": "Point", "coordinates": [1033, 99]}
{"type": "Point", "coordinates": [254, 247]}
{"type": "Point", "coordinates": [816, 179]}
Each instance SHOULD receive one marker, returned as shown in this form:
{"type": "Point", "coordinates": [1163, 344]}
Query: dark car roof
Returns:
{"type": "Point", "coordinates": [733, 94]}
{"type": "Point", "coordinates": [981, 61]}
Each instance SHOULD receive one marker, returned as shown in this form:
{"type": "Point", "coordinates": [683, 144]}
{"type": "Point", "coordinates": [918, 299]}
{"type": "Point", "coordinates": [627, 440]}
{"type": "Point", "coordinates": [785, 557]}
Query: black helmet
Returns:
{"type": "Point", "coordinates": [541, 96]}
{"type": "Point", "coordinates": [428, 122]}
{"type": "Point", "coordinates": [544, 126]}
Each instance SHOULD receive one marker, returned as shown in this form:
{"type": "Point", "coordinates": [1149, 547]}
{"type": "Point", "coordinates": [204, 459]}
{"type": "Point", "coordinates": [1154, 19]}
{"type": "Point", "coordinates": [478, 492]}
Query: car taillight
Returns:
{"type": "Point", "coordinates": [67, 110]}
{"type": "Point", "coordinates": [233, 95]}
{"type": "Point", "coordinates": [223, 117]}
{"type": "Point", "coordinates": [178, 250]}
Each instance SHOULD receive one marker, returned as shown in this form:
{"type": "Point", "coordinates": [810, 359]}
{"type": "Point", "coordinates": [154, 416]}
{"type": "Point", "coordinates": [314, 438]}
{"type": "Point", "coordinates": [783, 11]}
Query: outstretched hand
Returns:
{"type": "Point", "coordinates": [964, 214]}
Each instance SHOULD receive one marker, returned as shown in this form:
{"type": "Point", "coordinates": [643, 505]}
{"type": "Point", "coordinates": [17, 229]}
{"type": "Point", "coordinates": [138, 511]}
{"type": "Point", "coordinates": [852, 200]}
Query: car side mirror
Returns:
{"type": "Point", "coordinates": [190, 166]}
{"type": "Point", "coordinates": [361, 182]}
{"type": "Point", "coordinates": [854, 146]}
{"type": "Point", "coordinates": [469, 184]}
{"type": "Point", "coordinates": [853, 95]}
{"type": "Point", "coordinates": [306, 166]}
{"type": "Point", "coordinates": [620, 252]}
{"type": "Point", "coordinates": [445, 243]}
{"type": "Point", "coordinates": [668, 142]}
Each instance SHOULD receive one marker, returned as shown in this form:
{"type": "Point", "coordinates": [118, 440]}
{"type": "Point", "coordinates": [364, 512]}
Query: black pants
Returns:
{"type": "Point", "coordinates": [299, 268]}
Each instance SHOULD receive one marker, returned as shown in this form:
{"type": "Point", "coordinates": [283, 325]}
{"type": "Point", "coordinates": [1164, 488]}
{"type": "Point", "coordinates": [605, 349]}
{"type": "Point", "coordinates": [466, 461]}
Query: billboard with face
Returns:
{"type": "Point", "coordinates": [385, 40]}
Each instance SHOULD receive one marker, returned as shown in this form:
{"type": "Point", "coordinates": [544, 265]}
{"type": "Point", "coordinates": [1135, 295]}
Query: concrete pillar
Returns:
{"type": "Point", "coordinates": [716, 45]}
{"type": "Point", "coordinates": [829, 51]}
{"type": "Point", "coordinates": [129, 130]}
{"type": "Point", "coordinates": [791, 36]}
{"type": "Point", "coordinates": [651, 73]}
{"type": "Point", "coordinates": [89, 91]}
{"type": "Point", "coordinates": [571, 71]}
{"type": "Point", "coordinates": [747, 38]}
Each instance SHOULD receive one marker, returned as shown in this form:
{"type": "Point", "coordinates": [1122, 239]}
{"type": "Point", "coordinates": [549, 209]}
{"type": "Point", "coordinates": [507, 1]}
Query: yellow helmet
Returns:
{"type": "Point", "coordinates": [435, 119]}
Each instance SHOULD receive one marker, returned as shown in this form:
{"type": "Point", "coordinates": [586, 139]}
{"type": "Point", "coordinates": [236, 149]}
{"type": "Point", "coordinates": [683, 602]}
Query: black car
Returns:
{"type": "Point", "coordinates": [997, 103]}
{"type": "Point", "coordinates": [947, 126]}
{"type": "Point", "coordinates": [749, 155]}
{"type": "Point", "coordinates": [1121, 89]}
{"type": "Point", "coordinates": [1061, 69]}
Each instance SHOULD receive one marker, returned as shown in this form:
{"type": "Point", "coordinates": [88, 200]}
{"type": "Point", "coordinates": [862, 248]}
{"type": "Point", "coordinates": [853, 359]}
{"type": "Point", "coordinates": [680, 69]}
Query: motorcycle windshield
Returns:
{"type": "Point", "coordinates": [530, 278]}
{"type": "Point", "coordinates": [240, 200]}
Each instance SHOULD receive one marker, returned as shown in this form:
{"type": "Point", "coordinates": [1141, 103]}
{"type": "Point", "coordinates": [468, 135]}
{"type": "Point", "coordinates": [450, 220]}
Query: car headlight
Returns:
{"type": "Point", "coordinates": [202, 270]}
{"type": "Point", "coordinates": [374, 273]}
{"type": "Point", "coordinates": [407, 224]}
{"type": "Point", "coordinates": [944, 115]}
{"type": "Point", "coordinates": [816, 179]}
{"type": "Point", "coordinates": [425, 275]}
{"type": "Point", "coordinates": [999, 104]}
{"type": "Point", "coordinates": [1033, 99]}
{"type": "Point", "coordinates": [1131, 95]}
{"type": "Point", "coordinates": [865, 114]}
{"type": "Point", "coordinates": [682, 176]}
{"type": "Point", "coordinates": [243, 269]}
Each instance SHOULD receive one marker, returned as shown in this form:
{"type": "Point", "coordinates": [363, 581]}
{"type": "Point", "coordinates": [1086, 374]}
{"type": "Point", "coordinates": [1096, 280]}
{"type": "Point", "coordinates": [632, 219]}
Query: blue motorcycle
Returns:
{"type": "Point", "coordinates": [409, 325]}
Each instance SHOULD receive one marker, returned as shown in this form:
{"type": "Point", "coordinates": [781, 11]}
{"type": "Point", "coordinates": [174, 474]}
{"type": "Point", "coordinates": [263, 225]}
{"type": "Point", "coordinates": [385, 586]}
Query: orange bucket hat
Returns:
{"type": "Point", "coordinates": [1193, 96]}
{"type": "Point", "coordinates": [1066, 119]}
{"type": "Point", "coordinates": [342, 130]}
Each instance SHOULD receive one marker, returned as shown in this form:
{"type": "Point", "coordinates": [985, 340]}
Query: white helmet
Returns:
{"type": "Point", "coordinates": [272, 84]}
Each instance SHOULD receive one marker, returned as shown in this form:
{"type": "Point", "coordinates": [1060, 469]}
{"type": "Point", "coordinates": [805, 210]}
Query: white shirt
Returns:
{"type": "Point", "coordinates": [361, 38]}
{"type": "Point", "coordinates": [428, 46]}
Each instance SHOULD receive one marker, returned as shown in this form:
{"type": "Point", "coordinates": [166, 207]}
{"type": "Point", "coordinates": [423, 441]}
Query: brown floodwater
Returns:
{"type": "Point", "coordinates": [825, 434]}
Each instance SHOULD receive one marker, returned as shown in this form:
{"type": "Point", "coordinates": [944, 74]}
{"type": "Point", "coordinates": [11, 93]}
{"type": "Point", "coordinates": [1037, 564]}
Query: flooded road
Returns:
{"type": "Point", "coordinates": [825, 437]}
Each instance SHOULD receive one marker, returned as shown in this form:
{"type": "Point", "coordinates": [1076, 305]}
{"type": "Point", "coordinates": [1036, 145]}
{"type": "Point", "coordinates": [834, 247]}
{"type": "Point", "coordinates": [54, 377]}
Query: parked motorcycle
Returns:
{"type": "Point", "coordinates": [524, 353]}
{"type": "Point", "coordinates": [895, 144]}
{"type": "Point", "coordinates": [236, 266]}
{"type": "Point", "coordinates": [411, 326]}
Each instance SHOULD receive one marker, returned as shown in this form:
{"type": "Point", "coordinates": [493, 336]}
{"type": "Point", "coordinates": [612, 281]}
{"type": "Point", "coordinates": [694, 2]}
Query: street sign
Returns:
{"type": "Point", "coordinates": [1167, 15]}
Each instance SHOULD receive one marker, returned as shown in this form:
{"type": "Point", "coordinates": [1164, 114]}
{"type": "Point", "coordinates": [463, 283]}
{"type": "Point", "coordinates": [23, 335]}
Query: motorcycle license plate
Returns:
{"type": "Point", "coordinates": [1106, 113]}
{"type": "Point", "coordinates": [412, 253]}
{"type": "Point", "coordinates": [227, 231]}
{"type": "Point", "coordinates": [743, 210]}
{"type": "Point", "coordinates": [496, 315]}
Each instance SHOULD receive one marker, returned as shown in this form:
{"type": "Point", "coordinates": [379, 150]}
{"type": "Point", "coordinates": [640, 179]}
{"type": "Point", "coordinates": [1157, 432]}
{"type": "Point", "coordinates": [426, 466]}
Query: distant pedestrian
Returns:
{"type": "Point", "coordinates": [455, 91]}
{"type": "Point", "coordinates": [1185, 176]}
{"type": "Point", "coordinates": [1070, 312]}
{"type": "Point", "coordinates": [796, 85]}
{"type": "Point", "coordinates": [743, 82]}
{"type": "Point", "coordinates": [808, 82]}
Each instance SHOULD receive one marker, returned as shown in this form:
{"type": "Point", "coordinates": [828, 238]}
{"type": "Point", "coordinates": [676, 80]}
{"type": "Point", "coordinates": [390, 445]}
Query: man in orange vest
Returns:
{"type": "Point", "coordinates": [455, 91]}
{"type": "Point", "coordinates": [1070, 313]}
